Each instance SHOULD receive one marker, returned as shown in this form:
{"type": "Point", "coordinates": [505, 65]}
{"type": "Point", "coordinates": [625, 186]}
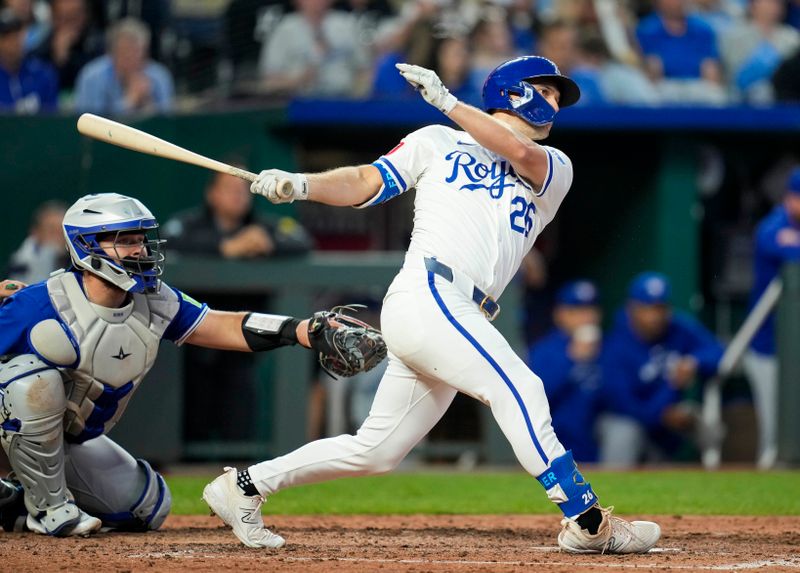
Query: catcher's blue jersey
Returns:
{"type": "Point", "coordinates": [26, 308]}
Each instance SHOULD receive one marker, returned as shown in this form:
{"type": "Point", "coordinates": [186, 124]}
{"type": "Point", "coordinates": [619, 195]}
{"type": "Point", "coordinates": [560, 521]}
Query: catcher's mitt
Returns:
{"type": "Point", "coordinates": [345, 345]}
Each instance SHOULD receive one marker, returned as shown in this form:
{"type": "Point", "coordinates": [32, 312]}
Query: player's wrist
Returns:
{"type": "Point", "coordinates": [264, 332]}
{"type": "Point", "coordinates": [300, 187]}
{"type": "Point", "coordinates": [448, 104]}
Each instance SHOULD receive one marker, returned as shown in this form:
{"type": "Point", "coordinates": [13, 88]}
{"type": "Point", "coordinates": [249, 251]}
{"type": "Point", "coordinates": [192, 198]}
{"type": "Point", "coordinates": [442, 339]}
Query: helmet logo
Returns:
{"type": "Point", "coordinates": [524, 98]}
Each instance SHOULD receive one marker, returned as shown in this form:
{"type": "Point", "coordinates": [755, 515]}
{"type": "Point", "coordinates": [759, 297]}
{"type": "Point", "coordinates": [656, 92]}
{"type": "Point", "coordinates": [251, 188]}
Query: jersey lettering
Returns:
{"type": "Point", "coordinates": [491, 178]}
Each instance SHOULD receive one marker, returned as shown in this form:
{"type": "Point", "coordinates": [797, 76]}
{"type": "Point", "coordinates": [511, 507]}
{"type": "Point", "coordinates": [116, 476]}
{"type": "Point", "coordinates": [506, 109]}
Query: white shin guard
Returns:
{"type": "Point", "coordinates": [32, 415]}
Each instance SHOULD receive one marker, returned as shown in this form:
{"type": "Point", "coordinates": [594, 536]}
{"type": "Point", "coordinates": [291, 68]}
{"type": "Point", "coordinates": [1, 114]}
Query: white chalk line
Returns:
{"type": "Point", "coordinates": [741, 566]}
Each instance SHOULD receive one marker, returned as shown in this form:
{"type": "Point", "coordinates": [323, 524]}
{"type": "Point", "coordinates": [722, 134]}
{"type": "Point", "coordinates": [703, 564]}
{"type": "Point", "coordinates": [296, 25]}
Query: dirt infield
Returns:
{"type": "Point", "coordinates": [409, 543]}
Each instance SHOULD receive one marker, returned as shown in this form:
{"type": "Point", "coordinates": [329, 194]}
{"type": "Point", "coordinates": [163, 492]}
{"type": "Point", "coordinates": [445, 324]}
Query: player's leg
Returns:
{"type": "Point", "coordinates": [404, 410]}
{"type": "Point", "coordinates": [126, 493]}
{"type": "Point", "coordinates": [32, 418]}
{"type": "Point", "coordinates": [762, 372]}
{"type": "Point", "coordinates": [479, 361]}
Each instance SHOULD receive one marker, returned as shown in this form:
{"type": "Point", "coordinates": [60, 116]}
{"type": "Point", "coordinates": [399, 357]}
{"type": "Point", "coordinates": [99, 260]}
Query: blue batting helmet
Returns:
{"type": "Point", "coordinates": [515, 77]}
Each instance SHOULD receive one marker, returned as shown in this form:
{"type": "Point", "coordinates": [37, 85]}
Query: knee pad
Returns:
{"type": "Point", "coordinates": [566, 487]}
{"type": "Point", "coordinates": [150, 510]}
{"type": "Point", "coordinates": [31, 431]}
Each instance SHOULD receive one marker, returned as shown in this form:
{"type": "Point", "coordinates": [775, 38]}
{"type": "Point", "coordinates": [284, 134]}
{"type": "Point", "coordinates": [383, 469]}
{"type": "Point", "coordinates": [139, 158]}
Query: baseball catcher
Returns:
{"type": "Point", "coordinates": [74, 349]}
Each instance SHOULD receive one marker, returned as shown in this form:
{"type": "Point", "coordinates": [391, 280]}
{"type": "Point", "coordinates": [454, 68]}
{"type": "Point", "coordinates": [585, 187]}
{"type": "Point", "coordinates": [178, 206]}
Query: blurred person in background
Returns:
{"type": "Point", "coordinates": [719, 14]}
{"type": "Point", "coordinates": [315, 51]}
{"type": "Point", "coordinates": [44, 250]}
{"type": "Point", "coordinates": [452, 63]}
{"type": "Point", "coordinates": [227, 226]}
{"type": "Point", "coordinates": [558, 41]}
{"type": "Point", "coordinates": [125, 80]}
{"type": "Point", "coordinates": [777, 240]}
{"type": "Point", "coordinates": [71, 42]}
{"type": "Point", "coordinates": [753, 50]}
{"type": "Point", "coordinates": [618, 83]}
{"type": "Point", "coordinates": [33, 15]}
{"type": "Point", "coordinates": [786, 80]}
{"type": "Point", "coordinates": [522, 21]}
{"type": "Point", "coordinates": [652, 357]}
{"type": "Point", "coordinates": [411, 38]}
{"type": "Point", "coordinates": [568, 362]}
{"type": "Point", "coordinates": [27, 84]}
{"type": "Point", "coordinates": [492, 44]}
{"type": "Point", "coordinates": [681, 54]}
{"type": "Point", "coordinates": [537, 295]}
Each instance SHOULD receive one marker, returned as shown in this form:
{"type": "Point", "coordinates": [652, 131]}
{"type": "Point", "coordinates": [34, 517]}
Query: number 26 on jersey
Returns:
{"type": "Point", "coordinates": [522, 215]}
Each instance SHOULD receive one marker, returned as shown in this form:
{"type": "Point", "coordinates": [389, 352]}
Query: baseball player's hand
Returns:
{"type": "Point", "coordinates": [268, 184]}
{"type": "Point", "coordinates": [8, 287]}
{"type": "Point", "coordinates": [430, 86]}
{"type": "Point", "coordinates": [682, 372]}
{"type": "Point", "coordinates": [679, 417]}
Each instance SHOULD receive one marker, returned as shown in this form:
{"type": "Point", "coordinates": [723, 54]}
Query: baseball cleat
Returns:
{"type": "Point", "coordinates": [241, 512]}
{"type": "Point", "coordinates": [615, 535]}
{"type": "Point", "coordinates": [82, 525]}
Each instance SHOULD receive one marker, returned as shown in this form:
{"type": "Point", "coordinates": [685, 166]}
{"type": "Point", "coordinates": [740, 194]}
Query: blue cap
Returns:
{"type": "Point", "coordinates": [650, 288]}
{"type": "Point", "coordinates": [793, 184]}
{"type": "Point", "coordinates": [578, 293]}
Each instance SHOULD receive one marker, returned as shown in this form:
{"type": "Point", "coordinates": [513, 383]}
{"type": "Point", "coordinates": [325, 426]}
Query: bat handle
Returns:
{"type": "Point", "coordinates": [285, 188]}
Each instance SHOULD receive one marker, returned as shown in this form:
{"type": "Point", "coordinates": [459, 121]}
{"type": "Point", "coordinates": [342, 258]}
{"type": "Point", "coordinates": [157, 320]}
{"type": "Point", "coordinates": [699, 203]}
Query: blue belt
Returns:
{"type": "Point", "coordinates": [486, 303]}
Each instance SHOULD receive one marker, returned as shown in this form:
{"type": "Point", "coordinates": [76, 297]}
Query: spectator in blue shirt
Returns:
{"type": "Point", "coordinates": [681, 52]}
{"type": "Point", "coordinates": [651, 356]}
{"type": "Point", "coordinates": [567, 361]}
{"type": "Point", "coordinates": [125, 80]}
{"type": "Point", "coordinates": [777, 241]}
{"type": "Point", "coordinates": [27, 85]}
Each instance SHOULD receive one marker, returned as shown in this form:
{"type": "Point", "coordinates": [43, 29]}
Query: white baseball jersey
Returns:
{"type": "Point", "coordinates": [472, 211]}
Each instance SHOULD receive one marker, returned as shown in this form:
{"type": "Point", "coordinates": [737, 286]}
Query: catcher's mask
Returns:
{"type": "Point", "coordinates": [131, 256]}
{"type": "Point", "coordinates": [516, 77]}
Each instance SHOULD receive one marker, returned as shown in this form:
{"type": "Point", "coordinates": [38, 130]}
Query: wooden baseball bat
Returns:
{"type": "Point", "coordinates": [121, 135]}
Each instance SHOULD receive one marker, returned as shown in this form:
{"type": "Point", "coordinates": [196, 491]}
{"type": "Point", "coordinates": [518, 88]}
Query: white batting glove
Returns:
{"type": "Point", "coordinates": [430, 86]}
{"type": "Point", "coordinates": [280, 186]}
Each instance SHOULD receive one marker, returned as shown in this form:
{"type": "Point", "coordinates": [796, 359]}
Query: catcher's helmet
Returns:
{"type": "Point", "coordinates": [515, 77]}
{"type": "Point", "coordinates": [111, 215]}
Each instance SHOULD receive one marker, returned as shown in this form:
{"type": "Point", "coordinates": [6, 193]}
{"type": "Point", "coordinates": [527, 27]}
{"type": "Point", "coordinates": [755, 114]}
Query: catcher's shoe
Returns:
{"type": "Point", "coordinates": [61, 522]}
{"type": "Point", "coordinates": [12, 506]}
{"type": "Point", "coordinates": [241, 512]}
{"type": "Point", "coordinates": [615, 535]}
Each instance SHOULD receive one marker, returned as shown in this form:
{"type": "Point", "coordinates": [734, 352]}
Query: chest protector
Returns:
{"type": "Point", "coordinates": [116, 348]}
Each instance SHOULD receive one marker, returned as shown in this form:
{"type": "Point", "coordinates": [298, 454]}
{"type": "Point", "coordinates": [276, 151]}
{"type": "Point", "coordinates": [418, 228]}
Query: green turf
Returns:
{"type": "Point", "coordinates": [660, 492]}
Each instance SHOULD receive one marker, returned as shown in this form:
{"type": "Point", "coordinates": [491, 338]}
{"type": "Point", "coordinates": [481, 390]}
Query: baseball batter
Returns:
{"type": "Point", "coordinates": [483, 196]}
{"type": "Point", "coordinates": [73, 351]}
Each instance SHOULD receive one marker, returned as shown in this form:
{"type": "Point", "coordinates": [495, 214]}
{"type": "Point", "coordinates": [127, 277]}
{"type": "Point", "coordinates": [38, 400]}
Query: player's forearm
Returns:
{"type": "Point", "coordinates": [499, 138]}
{"type": "Point", "coordinates": [223, 331]}
{"type": "Point", "coordinates": [342, 187]}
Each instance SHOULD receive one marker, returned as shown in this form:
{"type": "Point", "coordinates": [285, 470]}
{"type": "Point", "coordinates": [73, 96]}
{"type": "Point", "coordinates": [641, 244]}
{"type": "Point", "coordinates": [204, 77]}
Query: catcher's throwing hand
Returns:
{"type": "Point", "coordinates": [430, 86]}
{"type": "Point", "coordinates": [345, 345]}
{"type": "Point", "coordinates": [267, 183]}
{"type": "Point", "coordinates": [8, 287]}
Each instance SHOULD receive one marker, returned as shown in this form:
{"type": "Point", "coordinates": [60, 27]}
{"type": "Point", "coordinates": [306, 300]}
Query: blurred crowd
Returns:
{"type": "Point", "coordinates": [121, 56]}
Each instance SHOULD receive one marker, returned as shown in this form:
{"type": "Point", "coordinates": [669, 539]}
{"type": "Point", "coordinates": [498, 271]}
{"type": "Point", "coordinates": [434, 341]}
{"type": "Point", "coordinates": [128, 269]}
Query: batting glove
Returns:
{"type": "Point", "coordinates": [280, 186]}
{"type": "Point", "coordinates": [430, 87]}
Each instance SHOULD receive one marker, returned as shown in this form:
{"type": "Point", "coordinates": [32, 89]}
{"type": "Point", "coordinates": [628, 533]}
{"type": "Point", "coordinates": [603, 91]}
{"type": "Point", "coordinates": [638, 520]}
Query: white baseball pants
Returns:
{"type": "Point", "coordinates": [439, 343]}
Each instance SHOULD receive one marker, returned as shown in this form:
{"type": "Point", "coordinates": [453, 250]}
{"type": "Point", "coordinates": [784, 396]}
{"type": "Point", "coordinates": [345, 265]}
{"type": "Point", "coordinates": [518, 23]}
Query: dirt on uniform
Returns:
{"type": "Point", "coordinates": [420, 543]}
